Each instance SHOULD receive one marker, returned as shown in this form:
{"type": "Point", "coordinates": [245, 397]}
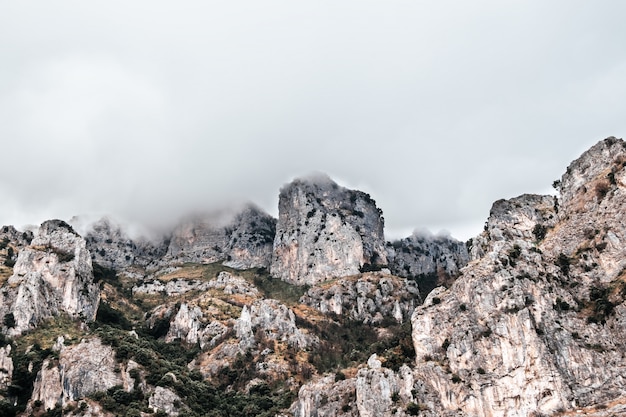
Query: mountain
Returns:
{"type": "Point", "coordinates": [315, 314]}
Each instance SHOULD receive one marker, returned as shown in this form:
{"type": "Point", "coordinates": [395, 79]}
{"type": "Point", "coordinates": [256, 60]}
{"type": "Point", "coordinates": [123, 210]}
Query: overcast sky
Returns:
{"type": "Point", "coordinates": [148, 109]}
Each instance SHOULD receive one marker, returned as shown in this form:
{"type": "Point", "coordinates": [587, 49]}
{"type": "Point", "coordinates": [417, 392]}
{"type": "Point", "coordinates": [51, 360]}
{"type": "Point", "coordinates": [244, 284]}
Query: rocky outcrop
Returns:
{"type": "Point", "coordinates": [242, 241]}
{"type": "Point", "coordinates": [326, 231]}
{"type": "Point", "coordinates": [111, 247]}
{"type": "Point", "coordinates": [370, 298]}
{"type": "Point", "coordinates": [51, 276]}
{"type": "Point", "coordinates": [382, 392]}
{"type": "Point", "coordinates": [163, 399]}
{"type": "Point", "coordinates": [225, 282]}
{"type": "Point", "coordinates": [80, 370]}
{"type": "Point", "coordinates": [11, 242]}
{"type": "Point", "coordinates": [10, 235]}
{"type": "Point", "coordinates": [275, 321]}
{"type": "Point", "coordinates": [6, 368]}
{"type": "Point", "coordinates": [374, 391]}
{"type": "Point", "coordinates": [429, 260]}
{"type": "Point", "coordinates": [325, 397]}
{"type": "Point", "coordinates": [534, 325]}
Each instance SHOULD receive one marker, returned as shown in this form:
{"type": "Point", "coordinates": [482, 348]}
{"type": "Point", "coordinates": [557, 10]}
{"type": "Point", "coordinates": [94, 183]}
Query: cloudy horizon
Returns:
{"type": "Point", "coordinates": [146, 111]}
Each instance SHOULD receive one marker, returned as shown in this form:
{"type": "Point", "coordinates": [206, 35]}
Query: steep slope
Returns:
{"type": "Point", "coordinates": [111, 247]}
{"type": "Point", "coordinates": [243, 240]}
{"type": "Point", "coordinates": [11, 242]}
{"type": "Point", "coordinates": [51, 276]}
{"type": "Point", "coordinates": [429, 260]}
{"type": "Point", "coordinates": [531, 322]}
{"type": "Point", "coordinates": [535, 323]}
{"type": "Point", "coordinates": [326, 231]}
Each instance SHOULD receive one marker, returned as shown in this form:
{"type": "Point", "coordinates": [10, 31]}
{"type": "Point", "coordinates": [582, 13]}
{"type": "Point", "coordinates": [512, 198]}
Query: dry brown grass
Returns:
{"type": "Point", "coordinates": [5, 273]}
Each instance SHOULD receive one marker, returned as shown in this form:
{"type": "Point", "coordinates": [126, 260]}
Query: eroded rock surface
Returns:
{"type": "Point", "coordinates": [242, 241]}
{"type": "Point", "coordinates": [325, 397]}
{"type": "Point", "coordinates": [325, 231]}
{"type": "Point", "coordinates": [6, 367]}
{"type": "Point", "coordinates": [429, 260]}
{"type": "Point", "coordinates": [275, 320]}
{"type": "Point", "coordinates": [51, 276]}
{"type": "Point", "coordinates": [535, 322]}
{"type": "Point", "coordinates": [81, 369]}
{"type": "Point", "coordinates": [111, 247]}
{"type": "Point", "coordinates": [163, 399]}
{"type": "Point", "coordinates": [370, 297]}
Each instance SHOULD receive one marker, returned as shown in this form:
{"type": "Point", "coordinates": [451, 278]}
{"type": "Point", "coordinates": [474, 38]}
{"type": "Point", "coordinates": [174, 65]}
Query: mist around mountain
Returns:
{"type": "Point", "coordinates": [315, 314]}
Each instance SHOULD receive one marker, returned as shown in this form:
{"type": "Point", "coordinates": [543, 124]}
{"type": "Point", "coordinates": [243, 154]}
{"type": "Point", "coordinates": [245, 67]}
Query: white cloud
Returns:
{"type": "Point", "coordinates": [148, 109]}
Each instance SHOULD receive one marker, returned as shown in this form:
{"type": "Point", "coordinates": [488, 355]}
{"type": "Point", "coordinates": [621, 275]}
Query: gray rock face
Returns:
{"type": "Point", "coordinates": [51, 276]}
{"type": "Point", "coordinates": [163, 399]}
{"type": "Point", "coordinates": [325, 231]}
{"type": "Point", "coordinates": [375, 391]}
{"type": "Point", "coordinates": [370, 298]}
{"type": "Point", "coordinates": [535, 322]}
{"type": "Point", "coordinates": [275, 320]}
{"type": "Point", "coordinates": [244, 241]}
{"type": "Point", "coordinates": [11, 242]}
{"type": "Point", "coordinates": [377, 386]}
{"type": "Point", "coordinates": [430, 260]}
{"type": "Point", "coordinates": [323, 397]}
{"type": "Point", "coordinates": [81, 370]}
{"type": "Point", "coordinates": [111, 247]}
{"type": "Point", "coordinates": [6, 367]}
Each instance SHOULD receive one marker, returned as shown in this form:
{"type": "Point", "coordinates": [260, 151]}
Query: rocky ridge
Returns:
{"type": "Point", "coordinates": [529, 322]}
{"type": "Point", "coordinates": [325, 231]}
{"type": "Point", "coordinates": [534, 323]}
{"type": "Point", "coordinates": [51, 276]}
{"type": "Point", "coordinates": [370, 298]}
{"type": "Point", "coordinates": [429, 260]}
{"type": "Point", "coordinates": [244, 241]}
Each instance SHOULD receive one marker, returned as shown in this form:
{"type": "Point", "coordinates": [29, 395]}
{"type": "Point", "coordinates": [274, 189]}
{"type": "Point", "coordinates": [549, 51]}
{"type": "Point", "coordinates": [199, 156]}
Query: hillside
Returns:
{"type": "Point", "coordinates": [315, 314]}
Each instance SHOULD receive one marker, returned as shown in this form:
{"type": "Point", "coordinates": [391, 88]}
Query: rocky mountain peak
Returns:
{"type": "Point", "coordinates": [325, 231]}
{"type": "Point", "coordinates": [524, 329]}
{"type": "Point", "coordinates": [53, 275]}
{"type": "Point", "coordinates": [597, 165]}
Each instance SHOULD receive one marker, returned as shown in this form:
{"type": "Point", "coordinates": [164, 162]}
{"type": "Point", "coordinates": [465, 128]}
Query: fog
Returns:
{"type": "Point", "coordinates": [149, 110]}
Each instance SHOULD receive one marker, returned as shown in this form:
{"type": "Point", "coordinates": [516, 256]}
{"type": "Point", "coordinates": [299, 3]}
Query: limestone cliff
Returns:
{"type": "Point", "coordinates": [6, 368]}
{"type": "Point", "coordinates": [11, 242]}
{"type": "Point", "coordinates": [80, 370]}
{"type": "Point", "coordinates": [429, 260]}
{"type": "Point", "coordinates": [52, 275]}
{"type": "Point", "coordinates": [242, 241]}
{"type": "Point", "coordinates": [530, 321]}
{"type": "Point", "coordinates": [371, 298]}
{"type": "Point", "coordinates": [325, 231]}
{"type": "Point", "coordinates": [110, 246]}
{"type": "Point", "coordinates": [535, 323]}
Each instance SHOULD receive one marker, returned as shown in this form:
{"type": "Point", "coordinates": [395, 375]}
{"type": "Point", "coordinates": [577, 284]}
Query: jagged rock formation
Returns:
{"type": "Point", "coordinates": [326, 397]}
{"type": "Point", "coordinates": [375, 391]}
{"type": "Point", "coordinates": [111, 247]}
{"type": "Point", "coordinates": [244, 241]}
{"type": "Point", "coordinates": [51, 276]}
{"type": "Point", "coordinates": [6, 367]}
{"type": "Point", "coordinates": [163, 399]}
{"type": "Point", "coordinates": [379, 390]}
{"type": "Point", "coordinates": [325, 231]}
{"type": "Point", "coordinates": [535, 322]}
{"type": "Point", "coordinates": [276, 322]}
{"type": "Point", "coordinates": [11, 242]}
{"type": "Point", "coordinates": [370, 298]}
{"type": "Point", "coordinates": [430, 260]}
{"type": "Point", "coordinates": [81, 370]}
{"type": "Point", "coordinates": [532, 325]}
